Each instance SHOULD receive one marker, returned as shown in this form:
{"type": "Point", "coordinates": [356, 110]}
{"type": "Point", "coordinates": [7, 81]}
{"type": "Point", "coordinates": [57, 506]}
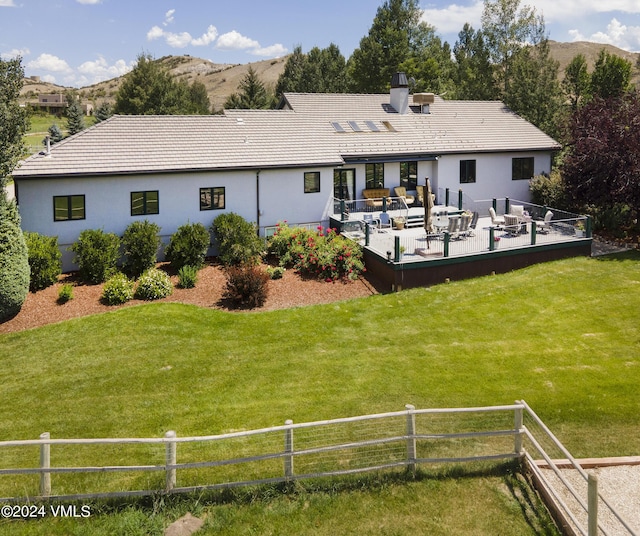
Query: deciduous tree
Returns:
{"type": "Point", "coordinates": [473, 70]}
{"type": "Point", "coordinates": [611, 75]}
{"type": "Point", "coordinates": [575, 84]}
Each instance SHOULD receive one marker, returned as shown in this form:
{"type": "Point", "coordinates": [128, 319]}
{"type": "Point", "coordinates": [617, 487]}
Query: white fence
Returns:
{"type": "Point", "coordinates": [111, 467]}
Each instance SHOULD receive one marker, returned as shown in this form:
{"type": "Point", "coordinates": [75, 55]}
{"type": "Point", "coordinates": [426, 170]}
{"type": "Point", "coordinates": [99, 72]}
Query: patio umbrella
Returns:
{"type": "Point", "coordinates": [428, 205]}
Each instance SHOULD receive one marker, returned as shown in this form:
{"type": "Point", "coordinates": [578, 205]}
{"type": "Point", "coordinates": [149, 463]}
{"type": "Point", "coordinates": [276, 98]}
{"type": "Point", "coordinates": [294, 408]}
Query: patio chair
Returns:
{"type": "Point", "coordinates": [495, 220]}
{"type": "Point", "coordinates": [511, 224]}
{"type": "Point", "coordinates": [384, 221]}
{"type": "Point", "coordinates": [463, 230]}
{"type": "Point", "coordinates": [544, 226]}
{"type": "Point", "coordinates": [401, 191]}
{"type": "Point", "coordinates": [441, 222]}
{"type": "Point", "coordinates": [453, 228]}
{"type": "Point", "coordinates": [474, 222]}
{"type": "Point", "coordinates": [420, 193]}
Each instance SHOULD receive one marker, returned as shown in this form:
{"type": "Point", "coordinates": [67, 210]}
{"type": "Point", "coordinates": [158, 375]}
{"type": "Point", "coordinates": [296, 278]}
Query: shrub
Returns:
{"type": "Point", "coordinates": [96, 254]}
{"type": "Point", "coordinates": [549, 190]}
{"type": "Point", "coordinates": [14, 260]}
{"type": "Point", "coordinates": [141, 242]}
{"type": "Point", "coordinates": [188, 246]}
{"type": "Point", "coordinates": [45, 260]}
{"type": "Point", "coordinates": [246, 286]}
{"type": "Point", "coordinates": [65, 293]}
{"type": "Point", "coordinates": [327, 256]}
{"type": "Point", "coordinates": [275, 272]}
{"type": "Point", "coordinates": [188, 276]}
{"type": "Point", "coordinates": [236, 239]}
{"type": "Point", "coordinates": [118, 290]}
{"type": "Point", "coordinates": [154, 284]}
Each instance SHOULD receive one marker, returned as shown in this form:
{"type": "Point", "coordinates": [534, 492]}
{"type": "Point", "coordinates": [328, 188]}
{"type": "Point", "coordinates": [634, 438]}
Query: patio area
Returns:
{"type": "Point", "coordinates": [488, 245]}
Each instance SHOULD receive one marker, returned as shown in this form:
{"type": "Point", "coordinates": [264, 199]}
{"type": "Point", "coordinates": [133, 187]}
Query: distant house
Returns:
{"type": "Point", "coordinates": [56, 103]}
{"type": "Point", "coordinates": [274, 165]}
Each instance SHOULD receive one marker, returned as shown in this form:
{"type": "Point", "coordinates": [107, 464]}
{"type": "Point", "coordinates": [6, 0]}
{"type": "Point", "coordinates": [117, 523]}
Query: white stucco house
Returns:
{"type": "Point", "coordinates": [275, 165]}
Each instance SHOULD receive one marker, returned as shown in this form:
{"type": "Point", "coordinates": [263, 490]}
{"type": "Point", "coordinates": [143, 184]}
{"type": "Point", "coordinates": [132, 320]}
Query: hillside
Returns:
{"type": "Point", "coordinates": [221, 80]}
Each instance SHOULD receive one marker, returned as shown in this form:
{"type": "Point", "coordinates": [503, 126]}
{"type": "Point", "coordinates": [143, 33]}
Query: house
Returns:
{"type": "Point", "coordinates": [56, 103]}
{"type": "Point", "coordinates": [274, 165]}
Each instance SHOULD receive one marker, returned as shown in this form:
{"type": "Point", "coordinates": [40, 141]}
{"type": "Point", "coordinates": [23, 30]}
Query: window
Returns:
{"type": "Point", "coordinates": [374, 175]}
{"type": "Point", "coordinates": [143, 203]}
{"type": "Point", "coordinates": [311, 182]}
{"type": "Point", "coordinates": [521, 168]}
{"type": "Point", "coordinates": [212, 198]}
{"type": "Point", "coordinates": [467, 171]}
{"type": "Point", "coordinates": [68, 207]}
{"type": "Point", "coordinates": [409, 175]}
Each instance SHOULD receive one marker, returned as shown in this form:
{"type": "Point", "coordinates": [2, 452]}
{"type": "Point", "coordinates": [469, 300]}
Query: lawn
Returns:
{"type": "Point", "coordinates": [564, 336]}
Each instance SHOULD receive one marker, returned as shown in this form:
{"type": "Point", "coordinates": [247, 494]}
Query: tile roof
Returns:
{"type": "Point", "coordinates": [302, 134]}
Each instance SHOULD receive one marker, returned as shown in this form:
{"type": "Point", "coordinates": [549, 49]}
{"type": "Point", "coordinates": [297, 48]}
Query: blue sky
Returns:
{"type": "Point", "coordinates": [81, 42]}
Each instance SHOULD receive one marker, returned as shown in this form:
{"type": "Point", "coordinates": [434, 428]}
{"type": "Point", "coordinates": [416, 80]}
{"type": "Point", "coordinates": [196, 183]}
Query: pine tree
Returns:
{"type": "Point", "coordinates": [103, 112]}
{"type": "Point", "coordinates": [251, 95]}
{"type": "Point", "coordinates": [75, 118]}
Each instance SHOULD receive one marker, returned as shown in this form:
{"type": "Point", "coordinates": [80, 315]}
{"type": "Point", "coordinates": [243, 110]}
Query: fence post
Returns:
{"type": "Point", "coordinates": [589, 227]}
{"type": "Point", "coordinates": [342, 212]}
{"type": "Point", "coordinates": [411, 437]}
{"type": "Point", "coordinates": [170, 460]}
{"type": "Point", "coordinates": [396, 249]}
{"type": "Point", "coordinates": [507, 205]}
{"type": "Point", "coordinates": [460, 199]}
{"type": "Point", "coordinates": [45, 463]}
{"type": "Point", "coordinates": [517, 426]}
{"type": "Point", "coordinates": [492, 237]}
{"type": "Point", "coordinates": [447, 237]}
{"type": "Point", "coordinates": [534, 231]}
{"type": "Point", "coordinates": [446, 197]}
{"type": "Point", "coordinates": [592, 504]}
{"type": "Point", "coordinates": [367, 231]}
{"type": "Point", "coordinates": [288, 450]}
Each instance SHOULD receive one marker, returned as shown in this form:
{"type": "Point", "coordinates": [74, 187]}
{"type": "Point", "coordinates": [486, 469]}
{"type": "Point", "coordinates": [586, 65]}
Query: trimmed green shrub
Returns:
{"type": "Point", "coordinates": [117, 290]}
{"type": "Point", "coordinates": [237, 240]}
{"type": "Point", "coordinates": [275, 272]}
{"type": "Point", "coordinates": [188, 246]}
{"type": "Point", "coordinates": [96, 254]}
{"type": "Point", "coordinates": [14, 260]}
{"type": "Point", "coordinates": [246, 286]}
{"type": "Point", "coordinates": [65, 293]}
{"type": "Point", "coordinates": [45, 260]}
{"type": "Point", "coordinates": [141, 242]}
{"type": "Point", "coordinates": [187, 276]}
{"type": "Point", "coordinates": [154, 284]}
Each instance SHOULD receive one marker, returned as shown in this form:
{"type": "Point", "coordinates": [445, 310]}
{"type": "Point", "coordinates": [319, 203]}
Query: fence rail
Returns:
{"type": "Point", "coordinates": [384, 441]}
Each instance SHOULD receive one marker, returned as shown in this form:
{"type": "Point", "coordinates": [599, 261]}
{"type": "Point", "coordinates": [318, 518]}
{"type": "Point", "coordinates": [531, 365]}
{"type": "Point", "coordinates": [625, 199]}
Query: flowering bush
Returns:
{"type": "Point", "coordinates": [322, 254]}
{"type": "Point", "coordinates": [118, 290]}
{"type": "Point", "coordinates": [153, 285]}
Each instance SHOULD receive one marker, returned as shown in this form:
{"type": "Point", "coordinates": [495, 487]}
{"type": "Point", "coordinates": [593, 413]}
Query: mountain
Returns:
{"type": "Point", "coordinates": [221, 80]}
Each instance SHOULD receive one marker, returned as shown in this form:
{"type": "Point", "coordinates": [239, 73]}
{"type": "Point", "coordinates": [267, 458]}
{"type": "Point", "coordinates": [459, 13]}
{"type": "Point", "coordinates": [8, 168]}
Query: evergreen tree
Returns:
{"type": "Point", "coordinates": [103, 112]}
{"type": "Point", "coordinates": [14, 122]}
{"type": "Point", "coordinates": [575, 84]}
{"type": "Point", "coordinates": [14, 259]}
{"type": "Point", "coordinates": [473, 69]}
{"type": "Point", "coordinates": [391, 41]}
{"type": "Point", "coordinates": [55, 134]}
{"type": "Point", "coordinates": [319, 71]}
{"type": "Point", "coordinates": [75, 118]}
{"type": "Point", "coordinates": [251, 95]}
{"type": "Point", "coordinates": [611, 76]}
{"type": "Point", "coordinates": [535, 92]}
{"type": "Point", "coordinates": [291, 79]}
{"type": "Point", "coordinates": [151, 90]}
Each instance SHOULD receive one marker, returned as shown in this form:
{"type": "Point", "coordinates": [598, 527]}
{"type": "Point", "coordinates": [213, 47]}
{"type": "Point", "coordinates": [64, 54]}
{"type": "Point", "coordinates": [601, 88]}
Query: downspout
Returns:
{"type": "Point", "coordinates": [258, 202]}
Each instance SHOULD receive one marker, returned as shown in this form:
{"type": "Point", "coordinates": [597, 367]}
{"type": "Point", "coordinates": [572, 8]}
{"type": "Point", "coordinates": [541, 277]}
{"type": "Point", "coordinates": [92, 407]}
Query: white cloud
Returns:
{"type": "Point", "coordinates": [155, 33]}
{"type": "Point", "coordinates": [206, 38]}
{"type": "Point", "coordinates": [177, 40]}
{"type": "Point", "coordinates": [99, 70]}
{"type": "Point", "coordinates": [452, 18]}
{"type": "Point", "coordinates": [168, 17]}
{"type": "Point", "coordinates": [617, 34]}
{"type": "Point", "coordinates": [14, 53]}
{"type": "Point", "coordinates": [7, 3]}
{"type": "Point", "coordinates": [89, 2]}
{"type": "Point", "coordinates": [274, 51]}
{"type": "Point", "coordinates": [235, 41]}
{"type": "Point", "coordinates": [48, 62]}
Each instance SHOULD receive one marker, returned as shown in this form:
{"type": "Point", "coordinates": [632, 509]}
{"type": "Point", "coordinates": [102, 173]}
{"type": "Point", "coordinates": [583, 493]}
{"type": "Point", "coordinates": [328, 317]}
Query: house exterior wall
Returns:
{"type": "Point", "coordinates": [281, 195]}
{"type": "Point", "coordinates": [493, 174]}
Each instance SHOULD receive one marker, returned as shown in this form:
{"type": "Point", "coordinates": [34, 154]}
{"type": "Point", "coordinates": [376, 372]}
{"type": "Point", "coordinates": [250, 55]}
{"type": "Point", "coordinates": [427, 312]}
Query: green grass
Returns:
{"type": "Point", "coordinates": [564, 336]}
{"type": "Point", "coordinates": [40, 124]}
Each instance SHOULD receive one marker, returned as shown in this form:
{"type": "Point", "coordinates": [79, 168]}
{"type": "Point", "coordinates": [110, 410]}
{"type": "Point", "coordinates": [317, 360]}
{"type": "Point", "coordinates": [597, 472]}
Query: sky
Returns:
{"type": "Point", "coordinates": [77, 43]}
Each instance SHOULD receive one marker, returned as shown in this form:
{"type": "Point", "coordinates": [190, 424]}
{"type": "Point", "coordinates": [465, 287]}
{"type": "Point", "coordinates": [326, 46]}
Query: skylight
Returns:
{"type": "Point", "coordinates": [355, 126]}
{"type": "Point", "coordinates": [372, 126]}
{"type": "Point", "coordinates": [338, 127]}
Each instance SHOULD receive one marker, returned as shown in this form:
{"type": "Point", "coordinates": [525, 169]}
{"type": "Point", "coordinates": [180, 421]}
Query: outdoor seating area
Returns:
{"type": "Point", "coordinates": [482, 230]}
